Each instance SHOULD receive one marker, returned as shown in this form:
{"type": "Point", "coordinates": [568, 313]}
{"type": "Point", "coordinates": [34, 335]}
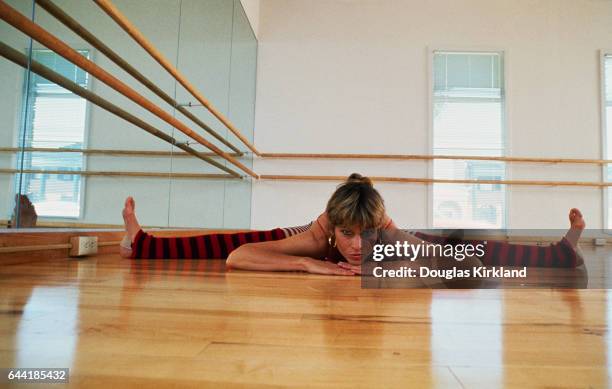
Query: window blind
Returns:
{"type": "Point", "coordinates": [56, 118]}
{"type": "Point", "coordinates": [468, 119]}
{"type": "Point", "coordinates": [607, 108]}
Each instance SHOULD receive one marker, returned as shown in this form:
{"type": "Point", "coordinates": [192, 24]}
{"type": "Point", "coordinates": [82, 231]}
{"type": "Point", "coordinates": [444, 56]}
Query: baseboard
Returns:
{"type": "Point", "coordinates": [35, 245]}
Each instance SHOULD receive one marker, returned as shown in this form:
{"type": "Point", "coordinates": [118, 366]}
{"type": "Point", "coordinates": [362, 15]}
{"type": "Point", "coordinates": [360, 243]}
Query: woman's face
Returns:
{"type": "Point", "coordinates": [353, 242]}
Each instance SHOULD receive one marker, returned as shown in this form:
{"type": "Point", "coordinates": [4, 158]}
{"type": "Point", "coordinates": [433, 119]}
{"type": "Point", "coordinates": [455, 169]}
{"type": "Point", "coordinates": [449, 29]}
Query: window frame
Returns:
{"type": "Point", "coordinates": [86, 129]}
{"type": "Point", "coordinates": [505, 126]}
{"type": "Point", "coordinates": [603, 53]}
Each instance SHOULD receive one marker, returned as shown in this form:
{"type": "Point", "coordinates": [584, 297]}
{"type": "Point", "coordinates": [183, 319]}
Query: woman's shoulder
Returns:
{"type": "Point", "coordinates": [388, 223]}
{"type": "Point", "coordinates": [320, 227]}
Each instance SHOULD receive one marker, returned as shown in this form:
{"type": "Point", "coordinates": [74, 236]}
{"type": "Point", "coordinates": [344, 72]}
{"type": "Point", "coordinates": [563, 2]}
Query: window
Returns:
{"type": "Point", "coordinates": [607, 127]}
{"type": "Point", "coordinates": [56, 118]}
{"type": "Point", "coordinates": [468, 119]}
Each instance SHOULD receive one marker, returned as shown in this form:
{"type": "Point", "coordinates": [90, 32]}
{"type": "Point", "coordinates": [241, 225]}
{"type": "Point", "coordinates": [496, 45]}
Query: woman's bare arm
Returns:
{"type": "Point", "coordinates": [393, 234]}
{"type": "Point", "coordinates": [296, 253]}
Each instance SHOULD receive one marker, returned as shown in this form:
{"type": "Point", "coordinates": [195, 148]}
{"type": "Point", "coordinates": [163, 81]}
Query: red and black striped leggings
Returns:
{"type": "Point", "coordinates": [204, 246]}
{"type": "Point", "coordinates": [497, 253]}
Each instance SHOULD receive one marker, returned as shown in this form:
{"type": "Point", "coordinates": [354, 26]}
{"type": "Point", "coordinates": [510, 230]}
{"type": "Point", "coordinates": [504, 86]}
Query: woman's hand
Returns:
{"type": "Point", "coordinates": [356, 269]}
{"type": "Point", "coordinates": [315, 266]}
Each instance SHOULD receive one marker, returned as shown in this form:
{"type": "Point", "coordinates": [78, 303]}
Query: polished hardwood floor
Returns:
{"type": "Point", "coordinates": [121, 323]}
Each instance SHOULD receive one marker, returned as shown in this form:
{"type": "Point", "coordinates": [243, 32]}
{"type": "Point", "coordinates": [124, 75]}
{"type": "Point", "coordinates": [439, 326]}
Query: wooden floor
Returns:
{"type": "Point", "coordinates": [116, 323]}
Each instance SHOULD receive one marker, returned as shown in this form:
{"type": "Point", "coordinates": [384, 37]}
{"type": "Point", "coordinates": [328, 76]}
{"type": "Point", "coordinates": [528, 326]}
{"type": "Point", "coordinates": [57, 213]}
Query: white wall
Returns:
{"type": "Point", "coordinates": [351, 76]}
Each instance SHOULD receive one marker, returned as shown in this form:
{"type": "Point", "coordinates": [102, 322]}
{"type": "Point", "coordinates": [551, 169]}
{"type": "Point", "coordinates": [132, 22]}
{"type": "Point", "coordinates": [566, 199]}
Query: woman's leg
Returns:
{"type": "Point", "coordinates": [139, 244]}
{"type": "Point", "coordinates": [564, 253]}
{"type": "Point", "coordinates": [210, 246]}
{"type": "Point", "coordinates": [498, 253]}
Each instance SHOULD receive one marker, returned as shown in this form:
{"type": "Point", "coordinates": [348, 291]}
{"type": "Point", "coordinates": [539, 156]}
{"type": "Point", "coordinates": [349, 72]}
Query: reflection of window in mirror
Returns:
{"type": "Point", "coordinates": [468, 119]}
{"type": "Point", "coordinates": [607, 127]}
{"type": "Point", "coordinates": [56, 119]}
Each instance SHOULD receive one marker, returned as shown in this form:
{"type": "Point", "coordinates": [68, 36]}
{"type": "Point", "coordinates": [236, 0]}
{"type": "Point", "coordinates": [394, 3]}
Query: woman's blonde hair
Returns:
{"type": "Point", "coordinates": [356, 203]}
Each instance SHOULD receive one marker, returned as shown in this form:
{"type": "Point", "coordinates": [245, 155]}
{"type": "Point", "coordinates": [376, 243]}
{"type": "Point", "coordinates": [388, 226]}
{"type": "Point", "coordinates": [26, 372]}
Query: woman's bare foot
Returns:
{"type": "Point", "coordinates": [131, 226]}
{"type": "Point", "coordinates": [577, 225]}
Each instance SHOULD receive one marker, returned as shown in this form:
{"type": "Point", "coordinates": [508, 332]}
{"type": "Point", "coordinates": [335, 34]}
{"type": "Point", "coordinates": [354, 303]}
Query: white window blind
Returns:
{"type": "Point", "coordinates": [607, 112]}
{"type": "Point", "coordinates": [56, 119]}
{"type": "Point", "coordinates": [468, 119]}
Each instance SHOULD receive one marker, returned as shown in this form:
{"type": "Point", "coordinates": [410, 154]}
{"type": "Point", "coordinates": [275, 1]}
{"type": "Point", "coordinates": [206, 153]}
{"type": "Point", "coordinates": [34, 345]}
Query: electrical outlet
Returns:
{"type": "Point", "coordinates": [83, 245]}
{"type": "Point", "coordinates": [599, 241]}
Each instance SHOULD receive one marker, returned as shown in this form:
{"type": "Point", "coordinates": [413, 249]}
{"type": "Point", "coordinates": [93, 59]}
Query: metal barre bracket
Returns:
{"type": "Point", "coordinates": [189, 104]}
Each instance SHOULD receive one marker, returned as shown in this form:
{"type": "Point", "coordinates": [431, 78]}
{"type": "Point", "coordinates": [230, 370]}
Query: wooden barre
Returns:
{"type": "Point", "coordinates": [20, 59]}
{"type": "Point", "coordinates": [116, 58]}
{"type": "Point", "coordinates": [406, 180]}
{"type": "Point", "coordinates": [127, 153]}
{"type": "Point", "coordinates": [271, 177]}
{"type": "Point", "coordinates": [438, 181]}
{"type": "Point", "coordinates": [154, 153]}
{"type": "Point", "coordinates": [23, 24]}
{"type": "Point", "coordinates": [43, 247]}
{"type": "Point", "coordinates": [86, 173]}
{"type": "Point", "coordinates": [112, 11]}
{"type": "Point", "coordinates": [18, 249]}
{"type": "Point", "coordinates": [433, 157]}
{"type": "Point", "coordinates": [62, 226]}
{"type": "Point", "coordinates": [58, 225]}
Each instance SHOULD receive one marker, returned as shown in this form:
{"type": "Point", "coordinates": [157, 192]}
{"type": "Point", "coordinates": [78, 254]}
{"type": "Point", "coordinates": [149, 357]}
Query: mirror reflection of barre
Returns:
{"type": "Point", "coordinates": [17, 20]}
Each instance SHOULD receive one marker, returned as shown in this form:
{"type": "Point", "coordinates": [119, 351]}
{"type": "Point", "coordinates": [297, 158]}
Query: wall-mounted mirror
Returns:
{"type": "Point", "coordinates": [66, 161]}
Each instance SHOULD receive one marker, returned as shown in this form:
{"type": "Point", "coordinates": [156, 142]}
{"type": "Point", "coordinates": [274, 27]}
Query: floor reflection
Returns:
{"type": "Point", "coordinates": [40, 315]}
{"type": "Point", "coordinates": [144, 270]}
{"type": "Point", "coordinates": [467, 330]}
{"type": "Point", "coordinates": [48, 330]}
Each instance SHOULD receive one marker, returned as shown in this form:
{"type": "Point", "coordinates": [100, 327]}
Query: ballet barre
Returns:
{"type": "Point", "coordinates": [112, 11]}
{"type": "Point", "coordinates": [407, 180]}
{"type": "Point", "coordinates": [81, 31]}
{"type": "Point", "coordinates": [435, 157]}
{"type": "Point", "coordinates": [270, 177]}
{"type": "Point", "coordinates": [91, 173]}
{"type": "Point", "coordinates": [400, 157]}
{"type": "Point", "coordinates": [21, 60]}
{"type": "Point", "coordinates": [109, 152]}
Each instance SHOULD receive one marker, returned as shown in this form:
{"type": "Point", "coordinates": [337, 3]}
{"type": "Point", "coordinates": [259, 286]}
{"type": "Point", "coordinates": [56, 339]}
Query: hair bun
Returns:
{"type": "Point", "coordinates": [358, 178]}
